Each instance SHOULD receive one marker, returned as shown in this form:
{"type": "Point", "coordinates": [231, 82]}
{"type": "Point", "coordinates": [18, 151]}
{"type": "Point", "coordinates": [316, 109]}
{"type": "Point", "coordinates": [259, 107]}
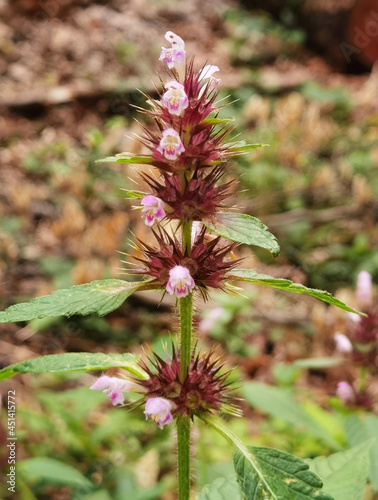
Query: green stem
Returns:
{"type": "Point", "coordinates": [186, 313]}
{"type": "Point", "coordinates": [219, 426]}
{"type": "Point", "coordinates": [183, 449]}
{"type": "Point", "coordinates": [186, 310]}
{"type": "Point", "coordinates": [364, 372]}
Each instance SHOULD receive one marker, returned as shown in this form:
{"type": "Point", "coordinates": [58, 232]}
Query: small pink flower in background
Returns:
{"type": "Point", "coordinates": [364, 291]}
{"type": "Point", "coordinates": [180, 282]}
{"type": "Point", "coordinates": [343, 344]}
{"type": "Point", "coordinates": [170, 145]}
{"type": "Point", "coordinates": [113, 387]}
{"type": "Point", "coordinates": [159, 409]}
{"type": "Point", "coordinates": [152, 209]}
{"type": "Point", "coordinates": [175, 56]}
{"type": "Point", "coordinates": [175, 99]}
{"type": "Point", "coordinates": [207, 324]}
{"type": "Point", "coordinates": [345, 392]}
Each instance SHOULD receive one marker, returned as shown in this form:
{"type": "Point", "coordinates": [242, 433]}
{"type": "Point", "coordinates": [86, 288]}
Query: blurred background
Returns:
{"type": "Point", "coordinates": [301, 76]}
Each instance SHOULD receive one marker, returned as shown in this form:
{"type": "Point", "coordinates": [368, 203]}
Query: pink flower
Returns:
{"type": "Point", "coordinates": [152, 209]}
{"type": "Point", "coordinates": [170, 145]}
{"type": "Point", "coordinates": [159, 410]}
{"type": "Point", "coordinates": [113, 387]}
{"type": "Point", "coordinates": [343, 344]}
{"type": "Point", "coordinates": [209, 82]}
{"type": "Point", "coordinates": [175, 56]}
{"type": "Point", "coordinates": [175, 99]}
{"type": "Point", "coordinates": [207, 324]}
{"type": "Point", "coordinates": [345, 392]}
{"type": "Point", "coordinates": [180, 282]}
{"type": "Point", "coordinates": [364, 292]}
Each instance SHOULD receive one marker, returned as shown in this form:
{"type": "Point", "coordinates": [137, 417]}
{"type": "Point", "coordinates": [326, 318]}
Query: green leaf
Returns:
{"type": "Point", "coordinates": [245, 229]}
{"type": "Point", "coordinates": [75, 361]}
{"type": "Point", "coordinates": [133, 194]}
{"type": "Point", "coordinates": [222, 488]}
{"type": "Point", "coordinates": [360, 428]}
{"type": "Point", "coordinates": [99, 297]}
{"type": "Point", "coordinates": [217, 121]}
{"type": "Point", "coordinates": [268, 474]}
{"type": "Point", "coordinates": [317, 363]}
{"type": "Point", "coordinates": [344, 474]}
{"type": "Point", "coordinates": [250, 276]}
{"type": "Point", "coordinates": [242, 147]}
{"type": "Point", "coordinates": [51, 471]}
{"type": "Point", "coordinates": [127, 158]}
{"type": "Point", "coordinates": [280, 403]}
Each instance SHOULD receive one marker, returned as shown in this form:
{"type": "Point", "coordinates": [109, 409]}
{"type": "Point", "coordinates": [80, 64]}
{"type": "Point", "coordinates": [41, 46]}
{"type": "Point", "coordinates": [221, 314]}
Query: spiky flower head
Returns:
{"type": "Point", "coordinates": [204, 389]}
{"type": "Point", "coordinates": [207, 264]}
{"type": "Point", "coordinates": [201, 197]}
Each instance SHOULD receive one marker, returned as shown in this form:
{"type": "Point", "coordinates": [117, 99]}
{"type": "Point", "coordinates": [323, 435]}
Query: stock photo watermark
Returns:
{"type": "Point", "coordinates": [361, 37]}
{"type": "Point", "coordinates": [12, 440]}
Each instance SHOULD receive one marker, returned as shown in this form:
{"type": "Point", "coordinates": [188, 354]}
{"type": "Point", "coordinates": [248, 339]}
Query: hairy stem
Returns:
{"type": "Point", "coordinates": [183, 449]}
{"type": "Point", "coordinates": [186, 313]}
{"type": "Point", "coordinates": [183, 423]}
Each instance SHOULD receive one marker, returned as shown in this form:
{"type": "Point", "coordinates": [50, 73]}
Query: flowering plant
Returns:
{"type": "Point", "coordinates": [191, 149]}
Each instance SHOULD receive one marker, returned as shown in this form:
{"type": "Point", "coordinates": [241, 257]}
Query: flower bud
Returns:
{"type": "Point", "coordinates": [345, 392]}
{"type": "Point", "coordinates": [343, 344]}
{"type": "Point", "coordinates": [364, 292]}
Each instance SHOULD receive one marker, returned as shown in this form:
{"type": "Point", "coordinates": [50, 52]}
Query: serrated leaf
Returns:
{"type": "Point", "coordinates": [245, 229]}
{"type": "Point", "coordinates": [280, 403]}
{"type": "Point", "coordinates": [100, 297]}
{"type": "Point", "coordinates": [360, 428]}
{"type": "Point", "coordinates": [127, 158]}
{"type": "Point", "coordinates": [75, 361]}
{"type": "Point", "coordinates": [217, 121]}
{"type": "Point", "coordinates": [344, 474]}
{"type": "Point", "coordinates": [51, 471]}
{"type": "Point", "coordinates": [268, 474]}
{"type": "Point", "coordinates": [250, 276]}
{"type": "Point", "coordinates": [222, 488]}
